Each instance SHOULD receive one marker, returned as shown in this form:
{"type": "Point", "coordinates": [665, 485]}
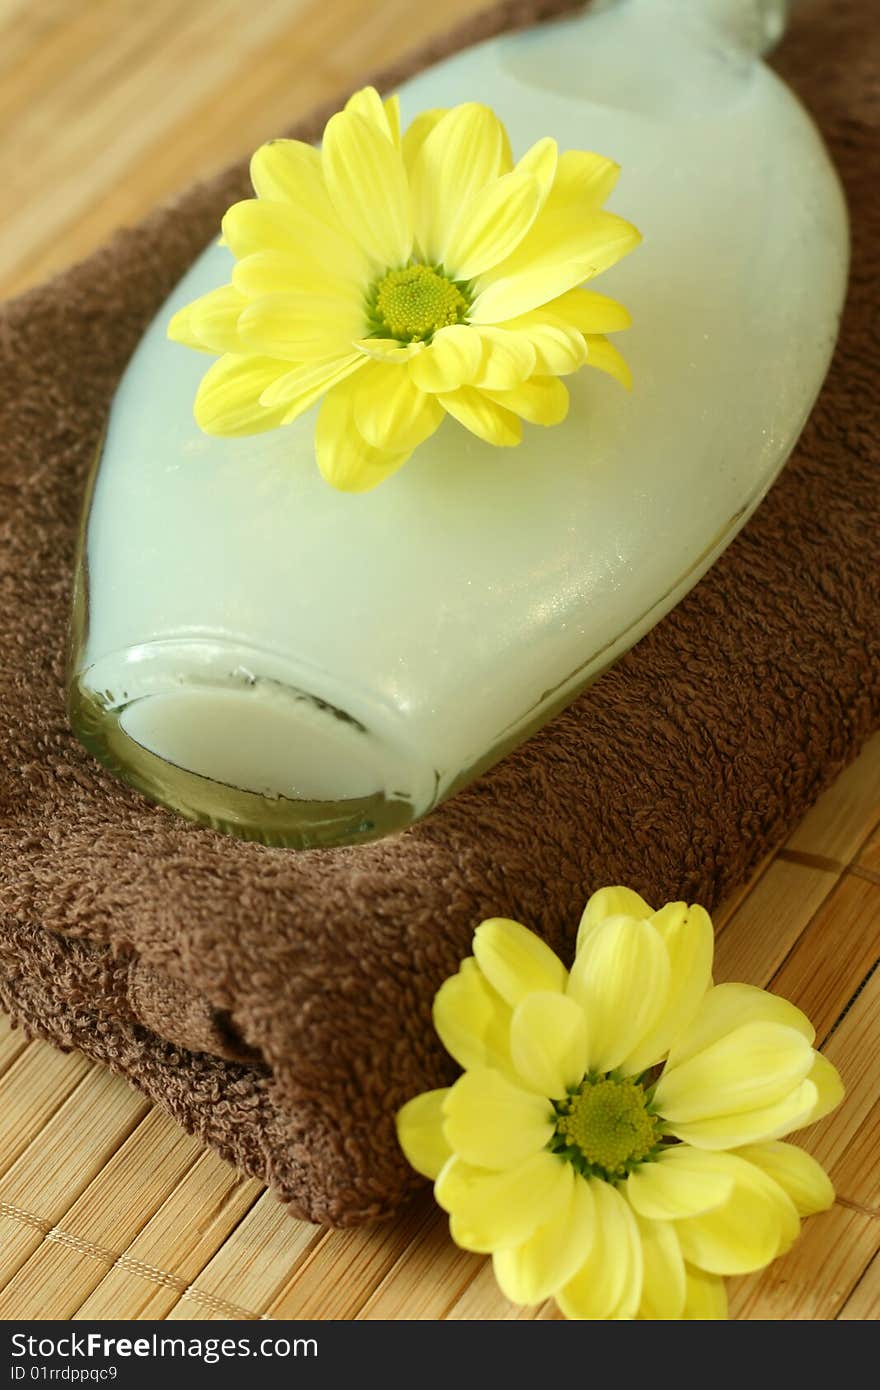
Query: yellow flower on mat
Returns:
{"type": "Point", "coordinates": [406, 279]}
{"type": "Point", "coordinates": [615, 1139]}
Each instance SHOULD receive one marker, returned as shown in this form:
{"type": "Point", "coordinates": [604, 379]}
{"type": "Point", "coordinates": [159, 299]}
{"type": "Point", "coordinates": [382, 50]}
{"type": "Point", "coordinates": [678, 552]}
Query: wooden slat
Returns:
{"type": "Point", "coordinates": [429, 1277]}
{"type": "Point", "coordinates": [756, 940]}
{"type": "Point", "coordinates": [869, 860]}
{"type": "Point", "coordinates": [250, 1268]}
{"type": "Point", "coordinates": [722, 914]}
{"type": "Point", "coordinates": [846, 813]}
{"type": "Point", "coordinates": [12, 1043]}
{"type": "Point", "coordinates": [366, 1255]}
{"type": "Point", "coordinates": [34, 1087]}
{"type": "Point", "coordinates": [863, 1304]}
{"type": "Point", "coordinates": [88, 1236]}
{"type": "Point", "coordinates": [63, 177]}
{"type": "Point", "coordinates": [68, 1153]}
{"type": "Point", "coordinates": [839, 949]}
{"type": "Point", "coordinates": [482, 1299]}
{"type": "Point", "coordinates": [24, 27]}
{"type": "Point", "coordinates": [847, 1142]}
{"type": "Point", "coordinates": [190, 1226]}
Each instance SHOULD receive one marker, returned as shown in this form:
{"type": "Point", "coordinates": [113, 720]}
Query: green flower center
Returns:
{"type": "Point", "coordinates": [413, 303]}
{"type": "Point", "coordinates": [605, 1127]}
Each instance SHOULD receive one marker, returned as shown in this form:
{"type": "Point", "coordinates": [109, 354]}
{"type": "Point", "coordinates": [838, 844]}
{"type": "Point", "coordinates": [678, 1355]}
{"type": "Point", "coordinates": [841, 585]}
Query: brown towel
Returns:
{"type": "Point", "coordinates": [278, 1003]}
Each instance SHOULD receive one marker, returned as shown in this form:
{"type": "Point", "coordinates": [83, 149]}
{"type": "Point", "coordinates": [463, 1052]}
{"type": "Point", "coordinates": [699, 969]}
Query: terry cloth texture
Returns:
{"type": "Point", "coordinates": [279, 1003]}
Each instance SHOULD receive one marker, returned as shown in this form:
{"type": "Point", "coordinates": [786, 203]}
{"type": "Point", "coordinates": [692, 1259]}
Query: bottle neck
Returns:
{"type": "Point", "coordinates": [752, 26]}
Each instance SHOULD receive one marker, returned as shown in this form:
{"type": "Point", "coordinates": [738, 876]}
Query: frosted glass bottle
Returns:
{"type": "Point", "coordinates": [305, 667]}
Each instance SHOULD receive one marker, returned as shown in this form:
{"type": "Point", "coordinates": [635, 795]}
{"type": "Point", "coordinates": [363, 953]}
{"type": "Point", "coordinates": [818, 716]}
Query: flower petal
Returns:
{"type": "Point", "coordinates": [300, 387]}
{"type": "Point", "coordinates": [515, 961]}
{"type": "Point", "coordinates": [508, 359]}
{"type": "Point", "coordinates": [829, 1087]}
{"type": "Point", "coordinates": [281, 272]}
{"type": "Point", "coordinates": [564, 247]}
{"type": "Point", "coordinates": [465, 150]}
{"type": "Point", "coordinates": [584, 178]}
{"type": "Point", "coordinates": [493, 1211]}
{"type": "Point", "coordinates": [750, 1126]}
{"type": "Point", "coordinates": [452, 359]}
{"type": "Point", "coordinates": [590, 312]}
{"type": "Point", "coordinates": [559, 349]}
{"type": "Point", "coordinates": [548, 1042]}
{"type": "Point", "coordinates": [491, 224]}
{"type": "Point", "coordinates": [609, 1283]}
{"type": "Point", "coordinates": [417, 132]}
{"type": "Point", "coordinates": [681, 1182]}
{"type": "Point", "coordinates": [605, 357]}
{"type": "Point", "coordinates": [663, 1277]}
{"type": "Point", "coordinates": [492, 1123]}
{"type": "Point", "coordinates": [687, 934]}
{"type": "Point", "coordinates": [213, 319]}
{"type": "Point", "coordinates": [255, 225]}
{"type": "Point", "coordinates": [543, 400]}
{"type": "Point", "coordinates": [367, 184]}
{"type": "Point", "coordinates": [345, 459]}
{"type": "Point", "coordinates": [473, 1021]}
{"type": "Point", "coordinates": [610, 902]}
{"type": "Point", "coordinates": [705, 1296]}
{"type": "Point", "coordinates": [531, 1272]}
{"type": "Point", "coordinates": [620, 978]}
{"type": "Point", "coordinates": [297, 230]}
{"type": "Point", "coordinates": [482, 416]}
{"type": "Point", "coordinates": [570, 227]}
{"type": "Point", "coordinates": [729, 1006]}
{"type": "Point", "coordinates": [297, 326]}
{"type": "Point", "coordinates": [420, 1132]}
{"type": "Point", "coordinates": [752, 1067]}
{"type": "Point", "coordinates": [797, 1172]}
{"type": "Point", "coordinates": [389, 349]}
{"type": "Point", "coordinates": [541, 160]}
{"type": "Point", "coordinates": [228, 399]}
{"type": "Point", "coordinates": [180, 329]}
{"type": "Point", "coordinates": [289, 171]}
{"type": "Point", "coordinates": [392, 116]}
{"type": "Point", "coordinates": [390, 412]}
{"type": "Point", "coordinates": [505, 299]}
{"type": "Point", "coordinates": [756, 1223]}
{"type": "Point", "coordinates": [368, 104]}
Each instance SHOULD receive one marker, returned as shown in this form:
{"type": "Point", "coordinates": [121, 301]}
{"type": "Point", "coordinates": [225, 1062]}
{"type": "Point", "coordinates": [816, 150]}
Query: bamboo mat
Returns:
{"type": "Point", "coordinates": [107, 1210]}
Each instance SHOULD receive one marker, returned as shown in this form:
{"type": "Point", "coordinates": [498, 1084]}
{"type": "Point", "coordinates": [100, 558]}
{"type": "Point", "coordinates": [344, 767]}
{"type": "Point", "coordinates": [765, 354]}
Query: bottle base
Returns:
{"type": "Point", "coordinates": [277, 820]}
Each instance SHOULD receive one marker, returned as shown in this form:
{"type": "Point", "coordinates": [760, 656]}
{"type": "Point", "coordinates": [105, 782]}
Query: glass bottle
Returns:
{"type": "Point", "coordinates": [305, 667]}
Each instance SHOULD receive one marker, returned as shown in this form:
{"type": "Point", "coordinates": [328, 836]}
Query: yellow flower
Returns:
{"type": "Point", "coordinates": [406, 279]}
{"type": "Point", "coordinates": [614, 1140]}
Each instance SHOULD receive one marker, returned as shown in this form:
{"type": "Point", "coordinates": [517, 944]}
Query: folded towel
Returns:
{"type": "Point", "coordinates": [278, 1003]}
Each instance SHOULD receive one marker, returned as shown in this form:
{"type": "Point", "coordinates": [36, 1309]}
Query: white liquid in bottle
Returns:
{"type": "Point", "coordinates": [306, 667]}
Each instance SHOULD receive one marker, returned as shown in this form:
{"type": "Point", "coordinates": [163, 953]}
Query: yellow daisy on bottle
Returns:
{"type": "Point", "coordinates": [616, 1139]}
{"type": "Point", "coordinates": [401, 280]}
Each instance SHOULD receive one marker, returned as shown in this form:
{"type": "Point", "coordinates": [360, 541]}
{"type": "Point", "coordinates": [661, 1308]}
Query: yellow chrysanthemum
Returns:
{"type": "Point", "coordinates": [615, 1139]}
{"type": "Point", "coordinates": [406, 279]}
